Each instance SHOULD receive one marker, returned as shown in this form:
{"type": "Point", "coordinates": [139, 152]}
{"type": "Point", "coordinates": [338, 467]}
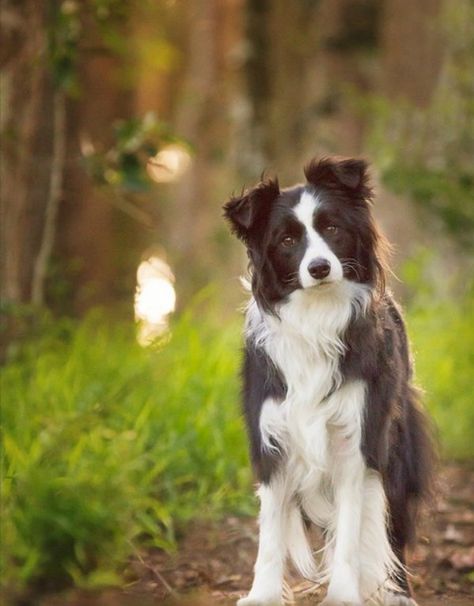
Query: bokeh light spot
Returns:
{"type": "Point", "coordinates": [155, 299]}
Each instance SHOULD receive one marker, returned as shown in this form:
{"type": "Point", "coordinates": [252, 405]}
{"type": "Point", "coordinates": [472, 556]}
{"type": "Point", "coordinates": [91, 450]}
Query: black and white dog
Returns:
{"type": "Point", "coordinates": [336, 432]}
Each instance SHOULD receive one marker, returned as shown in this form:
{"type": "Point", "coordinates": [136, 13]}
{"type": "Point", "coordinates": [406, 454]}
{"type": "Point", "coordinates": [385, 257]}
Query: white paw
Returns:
{"type": "Point", "coordinates": [343, 588]}
{"type": "Point", "coordinates": [398, 599]}
{"type": "Point", "coordinates": [260, 601]}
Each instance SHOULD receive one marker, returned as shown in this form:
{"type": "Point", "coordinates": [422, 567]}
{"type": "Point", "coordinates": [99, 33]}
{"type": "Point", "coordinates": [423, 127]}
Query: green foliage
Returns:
{"type": "Point", "coordinates": [123, 165]}
{"type": "Point", "coordinates": [446, 193]}
{"type": "Point", "coordinates": [427, 152]}
{"type": "Point", "coordinates": [64, 35]}
{"type": "Point", "coordinates": [68, 23]}
{"type": "Point", "coordinates": [107, 445]}
{"type": "Point", "coordinates": [419, 156]}
{"type": "Point", "coordinates": [442, 335]}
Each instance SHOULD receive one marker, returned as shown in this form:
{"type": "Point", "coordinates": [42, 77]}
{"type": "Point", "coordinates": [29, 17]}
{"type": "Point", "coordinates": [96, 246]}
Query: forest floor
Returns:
{"type": "Point", "coordinates": [214, 562]}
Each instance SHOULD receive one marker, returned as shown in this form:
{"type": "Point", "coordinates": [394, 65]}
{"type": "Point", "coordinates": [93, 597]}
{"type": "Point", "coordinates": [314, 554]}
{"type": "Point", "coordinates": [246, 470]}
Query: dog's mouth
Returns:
{"type": "Point", "coordinates": [320, 287]}
{"type": "Point", "coordinates": [324, 284]}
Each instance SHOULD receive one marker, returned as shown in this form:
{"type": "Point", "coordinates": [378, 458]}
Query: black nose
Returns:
{"type": "Point", "coordinates": [319, 268]}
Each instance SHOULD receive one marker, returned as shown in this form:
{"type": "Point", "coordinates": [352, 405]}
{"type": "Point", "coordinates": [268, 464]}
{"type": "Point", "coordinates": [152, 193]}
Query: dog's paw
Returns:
{"type": "Point", "coordinates": [398, 599]}
{"type": "Point", "coordinates": [260, 601]}
{"type": "Point", "coordinates": [343, 589]}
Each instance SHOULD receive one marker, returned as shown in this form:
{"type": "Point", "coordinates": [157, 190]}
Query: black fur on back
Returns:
{"type": "Point", "coordinates": [396, 435]}
{"type": "Point", "coordinates": [396, 438]}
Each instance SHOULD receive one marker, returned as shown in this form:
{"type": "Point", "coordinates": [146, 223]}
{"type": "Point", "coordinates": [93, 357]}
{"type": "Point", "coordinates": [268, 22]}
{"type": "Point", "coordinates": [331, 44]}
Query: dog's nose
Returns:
{"type": "Point", "coordinates": [319, 268]}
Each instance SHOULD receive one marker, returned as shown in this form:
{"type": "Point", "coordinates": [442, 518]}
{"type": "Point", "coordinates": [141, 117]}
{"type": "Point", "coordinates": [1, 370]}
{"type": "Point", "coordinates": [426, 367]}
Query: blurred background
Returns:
{"type": "Point", "coordinates": [125, 125]}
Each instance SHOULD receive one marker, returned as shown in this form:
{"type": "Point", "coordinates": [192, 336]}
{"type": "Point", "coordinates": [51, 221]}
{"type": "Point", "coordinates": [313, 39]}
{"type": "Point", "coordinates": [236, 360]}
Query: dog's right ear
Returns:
{"type": "Point", "coordinates": [247, 211]}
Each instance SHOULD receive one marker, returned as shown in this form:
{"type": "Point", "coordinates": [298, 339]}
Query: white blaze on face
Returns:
{"type": "Point", "coordinates": [317, 248]}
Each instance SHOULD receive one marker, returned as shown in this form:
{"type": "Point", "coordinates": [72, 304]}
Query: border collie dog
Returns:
{"type": "Point", "coordinates": [337, 437]}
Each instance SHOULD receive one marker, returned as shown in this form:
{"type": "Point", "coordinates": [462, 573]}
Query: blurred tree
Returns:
{"type": "Point", "coordinates": [423, 127]}
{"type": "Point", "coordinates": [32, 126]}
{"type": "Point", "coordinates": [194, 121]}
{"type": "Point", "coordinates": [251, 85]}
{"type": "Point", "coordinates": [413, 49]}
{"type": "Point", "coordinates": [39, 71]}
{"type": "Point", "coordinates": [86, 245]}
{"type": "Point", "coordinates": [205, 114]}
{"type": "Point", "coordinates": [305, 61]}
{"type": "Point", "coordinates": [63, 88]}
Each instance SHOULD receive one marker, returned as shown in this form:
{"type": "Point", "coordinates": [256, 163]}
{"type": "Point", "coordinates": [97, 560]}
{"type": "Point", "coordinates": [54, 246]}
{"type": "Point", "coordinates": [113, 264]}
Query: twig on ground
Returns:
{"type": "Point", "coordinates": [155, 572]}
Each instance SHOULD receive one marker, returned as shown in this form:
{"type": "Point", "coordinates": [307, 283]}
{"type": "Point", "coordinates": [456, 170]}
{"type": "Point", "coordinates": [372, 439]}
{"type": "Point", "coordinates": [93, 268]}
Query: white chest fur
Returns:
{"type": "Point", "coordinates": [320, 419]}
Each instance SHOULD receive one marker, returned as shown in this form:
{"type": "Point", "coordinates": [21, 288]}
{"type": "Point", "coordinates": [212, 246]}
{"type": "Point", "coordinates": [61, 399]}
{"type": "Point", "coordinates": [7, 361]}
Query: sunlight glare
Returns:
{"type": "Point", "coordinates": [169, 164]}
{"type": "Point", "coordinates": [155, 299]}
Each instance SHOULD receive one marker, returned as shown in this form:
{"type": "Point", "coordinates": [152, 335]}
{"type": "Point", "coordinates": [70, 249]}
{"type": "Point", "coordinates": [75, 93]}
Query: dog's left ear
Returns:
{"type": "Point", "coordinates": [349, 173]}
{"type": "Point", "coordinates": [246, 212]}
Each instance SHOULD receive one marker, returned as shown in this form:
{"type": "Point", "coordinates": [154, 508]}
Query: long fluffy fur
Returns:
{"type": "Point", "coordinates": [337, 435]}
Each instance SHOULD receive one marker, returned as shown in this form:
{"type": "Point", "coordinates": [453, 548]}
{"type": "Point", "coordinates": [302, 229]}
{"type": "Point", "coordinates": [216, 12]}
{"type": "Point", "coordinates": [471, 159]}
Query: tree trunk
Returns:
{"type": "Point", "coordinates": [412, 49]}
{"type": "Point", "coordinates": [89, 243]}
{"type": "Point", "coordinates": [52, 203]}
{"type": "Point", "coordinates": [302, 71]}
{"type": "Point", "coordinates": [203, 118]}
{"type": "Point", "coordinates": [27, 135]}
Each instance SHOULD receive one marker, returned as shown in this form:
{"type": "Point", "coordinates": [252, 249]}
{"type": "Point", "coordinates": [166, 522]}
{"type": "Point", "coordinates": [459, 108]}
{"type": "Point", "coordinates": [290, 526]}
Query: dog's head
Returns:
{"type": "Point", "coordinates": [309, 236]}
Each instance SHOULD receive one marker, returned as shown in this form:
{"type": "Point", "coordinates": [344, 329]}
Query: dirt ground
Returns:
{"type": "Point", "coordinates": [214, 562]}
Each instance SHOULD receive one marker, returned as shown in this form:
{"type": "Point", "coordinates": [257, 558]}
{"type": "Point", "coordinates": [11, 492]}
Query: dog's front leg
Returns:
{"type": "Point", "coordinates": [345, 567]}
{"type": "Point", "coordinates": [267, 587]}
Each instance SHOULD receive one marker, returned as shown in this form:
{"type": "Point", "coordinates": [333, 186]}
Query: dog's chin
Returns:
{"type": "Point", "coordinates": [322, 286]}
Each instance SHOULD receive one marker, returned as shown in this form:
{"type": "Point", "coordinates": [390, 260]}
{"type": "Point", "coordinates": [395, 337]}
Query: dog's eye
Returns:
{"type": "Point", "coordinates": [288, 241]}
{"type": "Point", "coordinates": [331, 229]}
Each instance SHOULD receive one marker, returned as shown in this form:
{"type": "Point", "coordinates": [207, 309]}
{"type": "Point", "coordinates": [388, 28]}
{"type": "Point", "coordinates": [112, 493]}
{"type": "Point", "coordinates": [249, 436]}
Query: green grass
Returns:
{"type": "Point", "coordinates": [108, 447]}
{"type": "Point", "coordinates": [442, 336]}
